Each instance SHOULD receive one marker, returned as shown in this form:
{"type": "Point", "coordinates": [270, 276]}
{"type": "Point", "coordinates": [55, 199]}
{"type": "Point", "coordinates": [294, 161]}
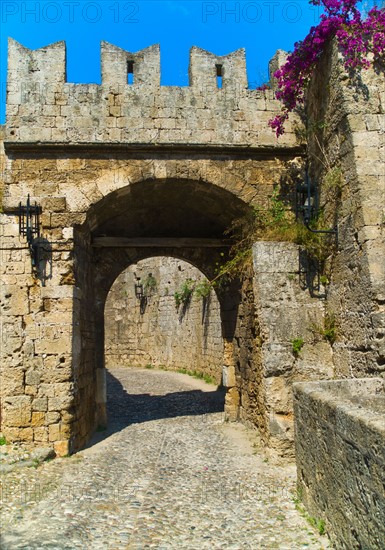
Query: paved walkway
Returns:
{"type": "Point", "coordinates": [169, 473]}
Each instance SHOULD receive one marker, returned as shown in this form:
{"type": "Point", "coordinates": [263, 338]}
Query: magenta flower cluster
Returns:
{"type": "Point", "coordinates": [356, 36]}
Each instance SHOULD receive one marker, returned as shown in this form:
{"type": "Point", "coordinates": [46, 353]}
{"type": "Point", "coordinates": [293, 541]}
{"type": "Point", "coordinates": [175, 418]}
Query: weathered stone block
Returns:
{"type": "Point", "coordinates": [57, 374]}
{"type": "Point", "coordinates": [11, 230]}
{"type": "Point", "coordinates": [232, 397]}
{"type": "Point", "coordinates": [14, 299]}
{"type": "Point", "coordinates": [40, 404]}
{"type": "Point", "coordinates": [37, 419]}
{"type": "Point", "coordinates": [57, 346]}
{"type": "Point", "coordinates": [273, 257]}
{"type": "Point", "coordinates": [54, 432]}
{"type": "Point", "coordinates": [32, 377]}
{"type": "Point", "coordinates": [282, 429]}
{"type": "Point", "coordinates": [54, 204]}
{"type": "Point", "coordinates": [31, 390]}
{"type": "Point", "coordinates": [62, 448]}
{"type": "Point", "coordinates": [228, 376]}
{"type": "Point", "coordinates": [12, 380]}
{"type": "Point", "coordinates": [277, 358]}
{"type": "Point", "coordinates": [18, 434]}
{"type": "Point", "coordinates": [278, 397]}
{"type": "Point", "coordinates": [40, 434]}
{"type": "Point", "coordinates": [17, 411]}
{"type": "Point", "coordinates": [60, 403]}
{"type": "Point", "coordinates": [315, 362]}
{"type": "Point", "coordinates": [46, 390]}
{"type": "Point", "coordinates": [52, 417]}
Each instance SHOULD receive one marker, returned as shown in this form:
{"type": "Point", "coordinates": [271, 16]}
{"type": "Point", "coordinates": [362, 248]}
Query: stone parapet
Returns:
{"type": "Point", "coordinates": [340, 442]}
{"type": "Point", "coordinates": [130, 106]}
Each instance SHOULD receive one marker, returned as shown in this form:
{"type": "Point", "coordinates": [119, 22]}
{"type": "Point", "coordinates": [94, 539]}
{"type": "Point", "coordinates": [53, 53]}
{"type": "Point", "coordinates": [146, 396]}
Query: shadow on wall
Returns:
{"type": "Point", "coordinates": [124, 409]}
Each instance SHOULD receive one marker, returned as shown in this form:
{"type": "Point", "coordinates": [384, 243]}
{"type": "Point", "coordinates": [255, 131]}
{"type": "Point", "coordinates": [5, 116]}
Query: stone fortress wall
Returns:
{"type": "Point", "coordinates": [347, 156]}
{"type": "Point", "coordinates": [116, 163]}
{"type": "Point", "coordinates": [2, 165]}
{"type": "Point", "coordinates": [175, 182]}
{"type": "Point", "coordinates": [340, 433]}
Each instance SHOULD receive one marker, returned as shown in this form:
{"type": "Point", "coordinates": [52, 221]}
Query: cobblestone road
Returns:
{"type": "Point", "coordinates": [169, 473]}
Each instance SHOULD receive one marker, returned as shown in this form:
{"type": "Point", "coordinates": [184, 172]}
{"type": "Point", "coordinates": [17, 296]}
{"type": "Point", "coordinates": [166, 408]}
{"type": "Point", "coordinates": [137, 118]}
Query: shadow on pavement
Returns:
{"type": "Point", "coordinates": [124, 409]}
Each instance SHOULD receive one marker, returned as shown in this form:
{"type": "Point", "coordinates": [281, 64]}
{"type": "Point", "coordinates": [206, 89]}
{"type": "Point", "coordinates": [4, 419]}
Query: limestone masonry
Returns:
{"type": "Point", "coordinates": [117, 161]}
{"type": "Point", "coordinates": [130, 178]}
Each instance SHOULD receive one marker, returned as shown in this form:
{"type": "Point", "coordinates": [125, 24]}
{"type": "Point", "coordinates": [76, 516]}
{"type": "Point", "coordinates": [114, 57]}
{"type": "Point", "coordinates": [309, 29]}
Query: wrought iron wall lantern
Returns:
{"type": "Point", "coordinates": [139, 289]}
{"type": "Point", "coordinates": [145, 289]}
{"type": "Point", "coordinates": [29, 226]}
{"type": "Point", "coordinates": [307, 206]}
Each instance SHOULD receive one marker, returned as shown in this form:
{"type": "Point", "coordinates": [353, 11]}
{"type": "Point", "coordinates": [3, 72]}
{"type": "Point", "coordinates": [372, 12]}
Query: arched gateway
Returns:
{"type": "Point", "coordinates": [121, 172]}
{"type": "Point", "coordinates": [180, 218]}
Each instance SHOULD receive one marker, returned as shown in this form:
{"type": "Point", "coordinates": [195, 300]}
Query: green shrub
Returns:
{"type": "Point", "coordinates": [318, 524]}
{"type": "Point", "coordinates": [273, 222]}
{"type": "Point", "coordinates": [202, 289]}
{"type": "Point", "coordinates": [297, 345]}
{"type": "Point", "coordinates": [199, 375]}
{"type": "Point", "coordinates": [183, 296]}
{"type": "Point", "coordinates": [328, 331]}
{"type": "Point", "coordinates": [149, 285]}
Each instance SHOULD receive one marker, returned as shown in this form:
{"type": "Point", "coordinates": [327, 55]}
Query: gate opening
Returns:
{"type": "Point", "coordinates": [161, 312]}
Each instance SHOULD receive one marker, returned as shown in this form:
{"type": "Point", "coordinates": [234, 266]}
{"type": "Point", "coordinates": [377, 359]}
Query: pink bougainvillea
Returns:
{"type": "Point", "coordinates": [356, 36]}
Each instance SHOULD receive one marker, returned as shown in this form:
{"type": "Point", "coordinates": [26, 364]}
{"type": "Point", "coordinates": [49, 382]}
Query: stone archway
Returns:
{"type": "Point", "coordinates": [178, 218]}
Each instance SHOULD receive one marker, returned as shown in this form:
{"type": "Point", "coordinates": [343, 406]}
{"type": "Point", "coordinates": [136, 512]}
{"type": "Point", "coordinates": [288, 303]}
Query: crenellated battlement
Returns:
{"type": "Point", "coordinates": [45, 65]}
{"type": "Point", "coordinates": [117, 64]}
{"type": "Point", "coordinates": [48, 64]}
{"type": "Point", "coordinates": [205, 68]}
{"type": "Point", "coordinates": [131, 106]}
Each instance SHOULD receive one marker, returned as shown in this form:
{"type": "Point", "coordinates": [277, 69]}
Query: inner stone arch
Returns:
{"type": "Point", "coordinates": [153, 329]}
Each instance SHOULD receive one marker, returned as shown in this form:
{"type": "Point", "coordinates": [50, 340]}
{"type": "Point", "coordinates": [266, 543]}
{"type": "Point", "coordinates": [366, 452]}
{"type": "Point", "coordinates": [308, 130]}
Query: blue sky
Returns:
{"type": "Point", "coordinates": [260, 26]}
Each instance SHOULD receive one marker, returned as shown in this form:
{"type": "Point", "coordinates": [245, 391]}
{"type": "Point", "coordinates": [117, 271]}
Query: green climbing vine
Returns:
{"type": "Point", "coordinates": [273, 222]}
{"type": "Point", "coordinates": [149, 284]}
{"type": "Point", "coordinates": [184, 294]}
{"type": "Point", "coordinates": [191, 287]}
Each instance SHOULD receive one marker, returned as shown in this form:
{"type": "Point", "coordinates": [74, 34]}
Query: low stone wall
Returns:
{"type": "Point", "coordinates": [340, 443]}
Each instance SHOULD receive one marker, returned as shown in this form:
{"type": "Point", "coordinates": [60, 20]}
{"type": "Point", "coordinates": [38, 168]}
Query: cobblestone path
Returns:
{"type": "Point", "coordinates": [169, 473]}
